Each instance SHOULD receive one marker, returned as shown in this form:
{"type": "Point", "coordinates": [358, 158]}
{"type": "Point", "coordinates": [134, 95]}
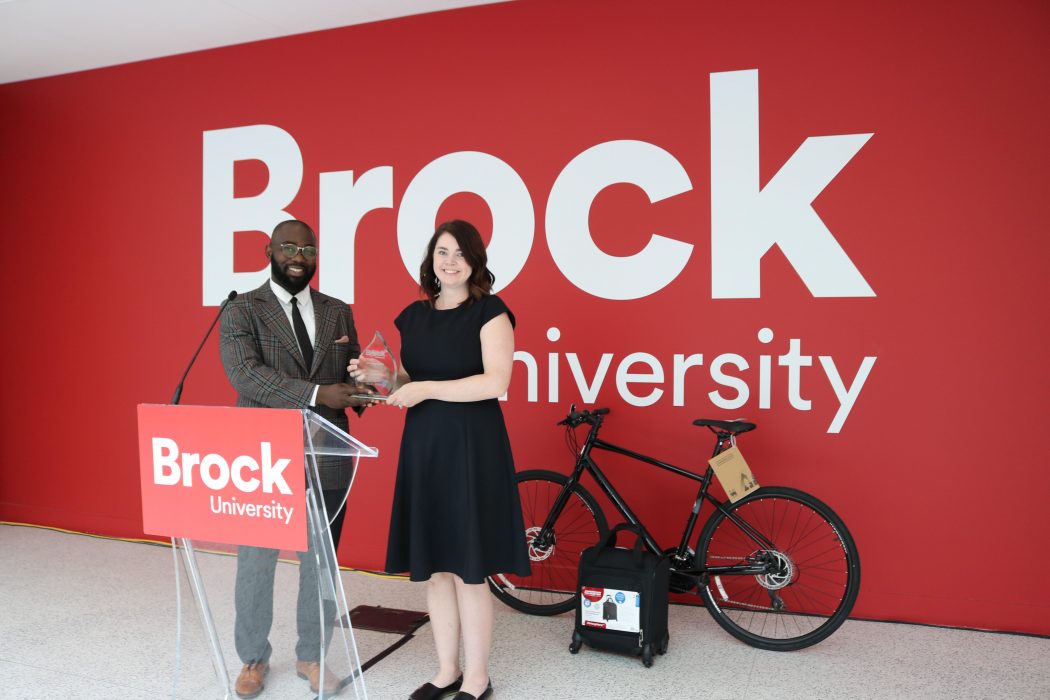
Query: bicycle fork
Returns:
{"type": "Point", "coordinates": [544, 539]}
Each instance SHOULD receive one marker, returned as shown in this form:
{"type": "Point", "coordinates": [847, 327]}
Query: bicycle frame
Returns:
{"type": "Point", "coordinates": [585, 463]}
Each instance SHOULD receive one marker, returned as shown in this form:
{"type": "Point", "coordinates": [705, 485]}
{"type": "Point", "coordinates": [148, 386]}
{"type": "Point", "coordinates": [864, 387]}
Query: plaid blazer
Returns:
{"type": "Point", "coordinates": [262, 360]}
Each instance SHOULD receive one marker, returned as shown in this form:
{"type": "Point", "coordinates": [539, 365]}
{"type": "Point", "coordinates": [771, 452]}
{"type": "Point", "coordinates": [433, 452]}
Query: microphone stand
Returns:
{"type": "Point", "coordinates": [178, 390]}
{"type": "Point", "coordinates": [189, 554]}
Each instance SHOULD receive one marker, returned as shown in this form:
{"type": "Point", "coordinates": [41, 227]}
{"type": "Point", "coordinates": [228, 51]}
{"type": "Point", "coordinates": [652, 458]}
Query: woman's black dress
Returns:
{"type": "Point", "coordinates": [456, 506]}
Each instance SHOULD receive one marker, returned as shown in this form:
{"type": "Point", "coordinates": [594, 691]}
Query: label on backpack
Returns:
{"type": "Point", "coordinates": [610, 608]}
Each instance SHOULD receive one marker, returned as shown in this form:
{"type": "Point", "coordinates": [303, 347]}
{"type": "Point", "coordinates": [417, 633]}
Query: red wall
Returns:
{"type": "Point", "coordinates": [940, 467]}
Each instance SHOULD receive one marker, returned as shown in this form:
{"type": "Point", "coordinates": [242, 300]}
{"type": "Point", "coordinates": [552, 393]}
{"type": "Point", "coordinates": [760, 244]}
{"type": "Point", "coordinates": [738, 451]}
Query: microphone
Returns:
{"type": "Point", "coordinates": [178, 390]}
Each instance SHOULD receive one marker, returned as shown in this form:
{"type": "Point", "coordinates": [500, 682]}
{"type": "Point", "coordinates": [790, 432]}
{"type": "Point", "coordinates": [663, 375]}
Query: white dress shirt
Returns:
{"type": "Point", "coordinates": [306, 310]}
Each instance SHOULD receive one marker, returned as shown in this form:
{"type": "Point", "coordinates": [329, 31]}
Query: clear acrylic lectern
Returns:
{"type": "Point", "coordinates": [309, 618]}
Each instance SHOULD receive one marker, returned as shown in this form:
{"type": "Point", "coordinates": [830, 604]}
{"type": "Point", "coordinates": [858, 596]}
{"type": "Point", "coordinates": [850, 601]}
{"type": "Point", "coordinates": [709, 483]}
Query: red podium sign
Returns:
{"type": "Point", "coordinates": [232, 475]}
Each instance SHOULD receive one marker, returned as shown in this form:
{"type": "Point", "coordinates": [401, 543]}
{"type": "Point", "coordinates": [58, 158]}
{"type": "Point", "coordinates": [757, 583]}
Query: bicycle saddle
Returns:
{"type": "Point", "coordinates": [730, 426]}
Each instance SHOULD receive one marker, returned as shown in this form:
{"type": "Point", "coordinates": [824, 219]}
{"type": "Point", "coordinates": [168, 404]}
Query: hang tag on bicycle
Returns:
{"type": "Point", "coordinates": [733, 473]}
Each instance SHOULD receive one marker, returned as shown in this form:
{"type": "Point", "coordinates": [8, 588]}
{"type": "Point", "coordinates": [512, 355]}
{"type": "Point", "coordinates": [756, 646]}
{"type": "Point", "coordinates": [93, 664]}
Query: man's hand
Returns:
{"type": "Point", "coordinates": [365, 389]}
{"type": "Point", "coordinates": [338, 396]}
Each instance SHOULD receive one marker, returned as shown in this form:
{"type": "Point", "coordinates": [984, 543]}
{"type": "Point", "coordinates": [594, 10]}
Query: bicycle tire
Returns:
{"type": "Point", "coordinates": [817, 582]}
{"type": "Point", "coordinates": [550, 589]}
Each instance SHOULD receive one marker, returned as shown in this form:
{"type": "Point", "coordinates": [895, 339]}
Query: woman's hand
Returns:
{"type": "Point", "coordinates": [365, 371]}
{"type": "Point", "coordinates": [410, 394]}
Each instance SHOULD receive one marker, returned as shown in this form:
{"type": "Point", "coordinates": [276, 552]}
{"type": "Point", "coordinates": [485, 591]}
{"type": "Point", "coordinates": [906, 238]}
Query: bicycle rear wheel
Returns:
{"type": "Point", "coordinates": [814, 577]}
{"type": "Point", "coordinates": [551, 587]}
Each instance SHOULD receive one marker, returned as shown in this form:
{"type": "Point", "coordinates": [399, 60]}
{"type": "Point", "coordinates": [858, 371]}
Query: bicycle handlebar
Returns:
{"type": "Point", "coordinates": [577, 417]}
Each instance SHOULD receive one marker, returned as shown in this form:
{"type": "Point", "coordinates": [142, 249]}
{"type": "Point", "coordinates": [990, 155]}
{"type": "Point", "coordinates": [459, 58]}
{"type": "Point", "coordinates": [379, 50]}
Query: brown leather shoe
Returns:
{"type": "Point", "coordinates": [311, 671]}
{"type": "Point", "coordinates": [250, 682]}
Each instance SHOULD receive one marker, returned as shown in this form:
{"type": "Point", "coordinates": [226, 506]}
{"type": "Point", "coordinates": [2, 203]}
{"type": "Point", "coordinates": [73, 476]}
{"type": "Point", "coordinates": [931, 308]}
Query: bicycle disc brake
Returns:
{"type": "Point", "coordinates": [537, 552]}
{"type": "Point", "coordinates": [780, 570]}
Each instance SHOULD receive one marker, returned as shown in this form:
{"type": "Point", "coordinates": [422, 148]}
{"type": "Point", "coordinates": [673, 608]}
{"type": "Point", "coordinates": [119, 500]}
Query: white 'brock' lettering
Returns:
{"type": "Point", "coordinates": [746, 221]}
{"type": "Point", "coordinates": [172, 466]}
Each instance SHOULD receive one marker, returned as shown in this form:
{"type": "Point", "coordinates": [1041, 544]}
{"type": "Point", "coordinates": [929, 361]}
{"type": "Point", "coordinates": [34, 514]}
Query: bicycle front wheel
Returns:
{"type": "Point", "coordinates": [812, 577]}
{"type": "Point", "coordinates": [550, 589]}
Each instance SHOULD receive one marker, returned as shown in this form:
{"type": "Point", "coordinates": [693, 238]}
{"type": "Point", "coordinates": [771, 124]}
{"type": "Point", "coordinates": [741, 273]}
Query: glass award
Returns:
{"type": "Point", "coordinates": [377, 359]}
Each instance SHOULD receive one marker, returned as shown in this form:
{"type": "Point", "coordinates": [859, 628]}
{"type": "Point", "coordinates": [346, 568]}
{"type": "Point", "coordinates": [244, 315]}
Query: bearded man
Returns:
{"type": "Point", "coordinates": [286, 345]}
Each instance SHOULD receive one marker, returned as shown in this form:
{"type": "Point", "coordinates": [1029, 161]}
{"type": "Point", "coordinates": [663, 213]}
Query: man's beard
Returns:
{"type": "Point", "coordinates": [292, 285]}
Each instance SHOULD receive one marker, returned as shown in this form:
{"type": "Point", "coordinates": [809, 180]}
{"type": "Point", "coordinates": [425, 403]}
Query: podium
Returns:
{"type": "Point", "coordinates": [239, 491]}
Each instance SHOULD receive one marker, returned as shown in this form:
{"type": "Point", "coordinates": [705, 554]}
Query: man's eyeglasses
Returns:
{"type": "Point", "coordinates": [291, 250]}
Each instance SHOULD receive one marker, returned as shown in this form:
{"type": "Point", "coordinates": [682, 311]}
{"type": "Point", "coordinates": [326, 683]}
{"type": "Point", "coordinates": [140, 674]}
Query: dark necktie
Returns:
{"type": "Point", "coordinates": [301, 335]}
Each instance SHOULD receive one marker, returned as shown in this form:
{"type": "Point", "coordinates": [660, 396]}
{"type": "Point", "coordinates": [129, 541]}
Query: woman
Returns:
{"type": "Point", "coordinates": [456, 516]}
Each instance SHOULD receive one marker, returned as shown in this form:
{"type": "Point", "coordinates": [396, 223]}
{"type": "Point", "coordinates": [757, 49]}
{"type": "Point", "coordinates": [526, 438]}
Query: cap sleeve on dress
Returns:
{"type": "Point", "coordinates": [401, 317]}
{"type": "Point", "coordinates": [492, 306]}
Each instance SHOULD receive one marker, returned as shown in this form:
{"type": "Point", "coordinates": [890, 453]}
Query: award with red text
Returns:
{"type": "Point", "coordinates": [378, 367]}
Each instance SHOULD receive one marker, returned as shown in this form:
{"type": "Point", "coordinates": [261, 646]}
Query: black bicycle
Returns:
{"type": "Point", "coordinates": [777, 569]}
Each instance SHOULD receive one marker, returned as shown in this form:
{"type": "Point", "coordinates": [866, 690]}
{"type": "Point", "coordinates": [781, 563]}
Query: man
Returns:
{"type": "Point", "coordinates": [285, 345]}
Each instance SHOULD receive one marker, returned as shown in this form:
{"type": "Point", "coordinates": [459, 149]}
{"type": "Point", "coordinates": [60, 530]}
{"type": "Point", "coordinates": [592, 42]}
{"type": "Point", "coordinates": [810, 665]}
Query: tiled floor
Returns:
{"type": "Point", "coordinates": [94, 619]}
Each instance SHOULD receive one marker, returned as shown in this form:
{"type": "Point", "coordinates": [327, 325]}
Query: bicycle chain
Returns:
{"type": "Point", "coordinates": [751, 605]}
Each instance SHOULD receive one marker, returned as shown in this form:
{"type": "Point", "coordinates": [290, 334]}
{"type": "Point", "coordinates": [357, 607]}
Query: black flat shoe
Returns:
{"type": "Point", "coordinates": [467, 696]}
{"type": "Point", "coordinates": [429, 691]}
